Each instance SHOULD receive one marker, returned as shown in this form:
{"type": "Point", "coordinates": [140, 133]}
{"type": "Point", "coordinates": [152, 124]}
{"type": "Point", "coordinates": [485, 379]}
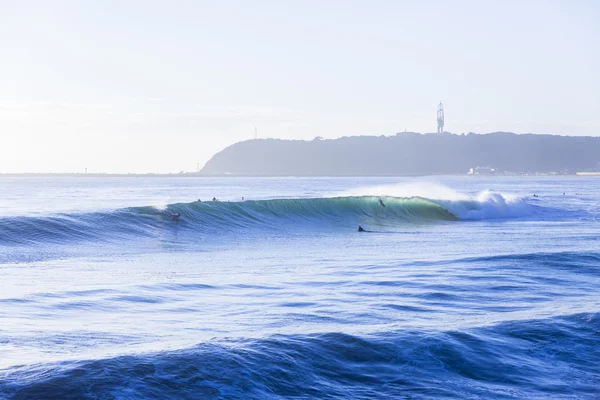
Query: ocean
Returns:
{"type": "Point", "coordinates": [459, 288]}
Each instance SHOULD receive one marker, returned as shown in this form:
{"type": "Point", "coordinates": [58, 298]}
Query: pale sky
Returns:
{"type": "Point", "coordinates": [158, 86]}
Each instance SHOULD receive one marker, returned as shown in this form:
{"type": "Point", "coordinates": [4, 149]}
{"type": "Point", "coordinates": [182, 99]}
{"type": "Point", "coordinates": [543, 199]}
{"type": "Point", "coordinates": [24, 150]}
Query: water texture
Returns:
{"type": "Point", "coordinates": [461, 287]}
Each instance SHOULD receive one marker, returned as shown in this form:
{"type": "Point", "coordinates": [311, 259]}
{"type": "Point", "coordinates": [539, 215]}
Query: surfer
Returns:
{"type": "Point", "coordinates": [174, 216]}
{"type": "Point", "coordinates": [214, 199]}
{"type": "Point", "coordinates": [360, 229]}
{"type": "Point", "coordinates": [381, 202]}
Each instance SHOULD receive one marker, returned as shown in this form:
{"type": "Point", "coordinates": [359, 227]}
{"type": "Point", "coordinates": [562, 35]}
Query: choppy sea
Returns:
{"type": "Point", "coordinates": [459, 288]}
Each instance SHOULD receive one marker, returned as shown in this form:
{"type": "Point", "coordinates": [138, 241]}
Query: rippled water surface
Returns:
{"type": "Point", "coordinates": [461, 287]}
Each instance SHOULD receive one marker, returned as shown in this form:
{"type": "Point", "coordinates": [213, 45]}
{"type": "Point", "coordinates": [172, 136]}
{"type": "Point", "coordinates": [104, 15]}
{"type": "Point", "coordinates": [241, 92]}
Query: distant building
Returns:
{"type": "Point", "coordinates": [482, 171]}
{"type": "Point", "coordinates": [440, 118]}
{"type": "Point", "coordinates": [595, 171]}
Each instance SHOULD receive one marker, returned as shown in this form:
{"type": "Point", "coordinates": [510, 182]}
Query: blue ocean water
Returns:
{"type": "Point", "coordinates": [462, 287]}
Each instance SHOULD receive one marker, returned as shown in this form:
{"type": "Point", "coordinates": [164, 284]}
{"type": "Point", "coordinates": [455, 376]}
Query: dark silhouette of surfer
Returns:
{"type": "Point", "coordinates": [381, 202]}
{"type": "Point", "coordinates": [174, 216]}
{"type": "Point", "coordinates": [361, 229]}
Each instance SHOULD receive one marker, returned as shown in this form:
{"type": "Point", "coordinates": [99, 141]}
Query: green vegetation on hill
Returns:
{"type": "Point", "coordinates": [408, 153]}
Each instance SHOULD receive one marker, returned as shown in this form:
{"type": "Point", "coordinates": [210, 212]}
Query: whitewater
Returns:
{"type": "Point", "coordinates": [461, 287]}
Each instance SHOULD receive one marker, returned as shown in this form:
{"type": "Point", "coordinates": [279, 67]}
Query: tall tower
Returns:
{"type": "Point", "coordinates": [440, 118]}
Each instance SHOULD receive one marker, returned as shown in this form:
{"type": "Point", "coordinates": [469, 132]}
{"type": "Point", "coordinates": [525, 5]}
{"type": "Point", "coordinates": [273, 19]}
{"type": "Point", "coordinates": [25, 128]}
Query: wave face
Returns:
{"type": "Point", "coordinates": [276, 214]}
{"type": "Point", "coordinates": [553, 358]}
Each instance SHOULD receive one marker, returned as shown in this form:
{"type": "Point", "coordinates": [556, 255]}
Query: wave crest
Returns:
{"type": "Point", "coordinates": [282, 214]}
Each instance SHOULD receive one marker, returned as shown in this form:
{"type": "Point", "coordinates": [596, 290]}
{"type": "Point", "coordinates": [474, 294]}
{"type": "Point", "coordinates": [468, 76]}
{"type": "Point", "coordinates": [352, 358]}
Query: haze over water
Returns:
{"type": "Point", "coordinates": [463, 287]}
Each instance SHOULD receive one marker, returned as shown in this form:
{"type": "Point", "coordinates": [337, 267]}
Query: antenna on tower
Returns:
{"type": "Point", "coordinates": [255, 133]}
{"type": "Point", "coordinates": [440, 117]}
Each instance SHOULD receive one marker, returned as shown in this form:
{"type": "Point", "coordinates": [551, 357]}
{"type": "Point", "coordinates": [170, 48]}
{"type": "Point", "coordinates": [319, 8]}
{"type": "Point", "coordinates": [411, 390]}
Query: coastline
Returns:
{"type": "Point", "coordinates": [201, 175]}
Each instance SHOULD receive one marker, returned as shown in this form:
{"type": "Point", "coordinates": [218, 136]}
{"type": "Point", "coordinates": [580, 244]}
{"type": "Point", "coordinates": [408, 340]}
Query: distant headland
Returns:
{"type": "Point", "coordinates": [410, 153]}
{"type": "Point", "coordinates": [404, 154]}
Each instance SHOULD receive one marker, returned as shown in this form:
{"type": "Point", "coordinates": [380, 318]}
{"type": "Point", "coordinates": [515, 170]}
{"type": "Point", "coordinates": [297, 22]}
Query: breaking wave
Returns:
{"type": "Point", "coordinates": [276, 214]}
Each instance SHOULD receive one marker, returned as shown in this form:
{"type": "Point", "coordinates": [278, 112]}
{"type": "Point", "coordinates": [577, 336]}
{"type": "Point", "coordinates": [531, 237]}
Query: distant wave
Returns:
{"type": "Point", "coordinates": [547, 358]}
{"type": "Point", "coordinates": [281, 214]}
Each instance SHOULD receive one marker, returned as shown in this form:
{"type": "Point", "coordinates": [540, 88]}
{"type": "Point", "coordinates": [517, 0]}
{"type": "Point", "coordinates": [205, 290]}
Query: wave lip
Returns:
{"type": "Point", "coordinates": [324, 209]}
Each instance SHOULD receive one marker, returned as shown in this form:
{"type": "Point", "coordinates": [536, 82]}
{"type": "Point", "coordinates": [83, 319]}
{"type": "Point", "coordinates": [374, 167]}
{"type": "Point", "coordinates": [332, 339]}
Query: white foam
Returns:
{"type": "Point", "coordinates": [489, 205]}
{"type": "Point", "coordinates": [161, 204]}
